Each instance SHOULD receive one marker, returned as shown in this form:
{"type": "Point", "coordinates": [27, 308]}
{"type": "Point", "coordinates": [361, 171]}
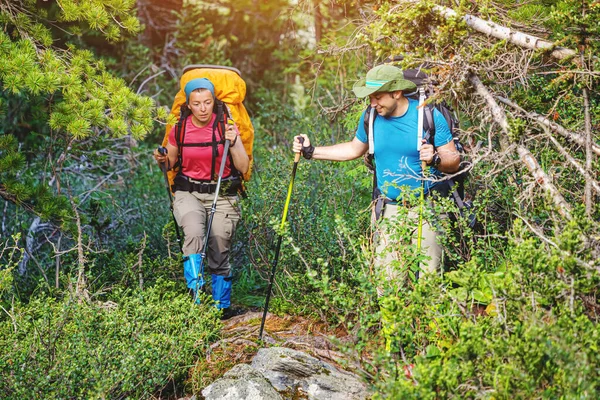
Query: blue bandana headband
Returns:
{"type": "Point", "coordinates": [198, 83]}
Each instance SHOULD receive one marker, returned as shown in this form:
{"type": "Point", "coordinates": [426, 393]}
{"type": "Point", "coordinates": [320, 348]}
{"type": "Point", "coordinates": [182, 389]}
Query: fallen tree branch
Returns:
{"type": "Point", "coordinates": [503, 33]}
{"type": "Point", "coordinates": [589, 178]}
{"type": "Point", "coordinates": [525, 155]}
{"type": "Point", "coordinates": [569, 135]}
{"type": "Point", "coordinates": [538, 118]}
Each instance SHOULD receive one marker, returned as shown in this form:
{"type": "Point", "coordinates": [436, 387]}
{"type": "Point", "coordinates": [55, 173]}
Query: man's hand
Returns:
{"type": "Point", "coordinates": [427, 152]}
{"type": "Point", "coordinates": [300, 146]}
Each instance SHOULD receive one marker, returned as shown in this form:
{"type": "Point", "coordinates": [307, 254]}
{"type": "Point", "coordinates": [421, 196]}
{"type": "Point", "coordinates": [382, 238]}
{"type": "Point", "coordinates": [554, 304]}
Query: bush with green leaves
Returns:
{"type": "Point", "coordinates": [327, 205]}
{"type": "Point", "coordinates": [528, 330]}
{"type": "Point", "coordinates": [132, 345]}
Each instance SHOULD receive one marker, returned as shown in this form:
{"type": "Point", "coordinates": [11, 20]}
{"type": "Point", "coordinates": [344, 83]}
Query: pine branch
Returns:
{"type": "Point", "coordinates": [10, 197]}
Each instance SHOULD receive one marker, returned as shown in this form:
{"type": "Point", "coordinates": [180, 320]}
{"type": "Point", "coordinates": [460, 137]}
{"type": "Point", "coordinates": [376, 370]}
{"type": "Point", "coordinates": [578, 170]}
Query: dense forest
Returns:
{"type": "Point", "coordinates": [92, 296]}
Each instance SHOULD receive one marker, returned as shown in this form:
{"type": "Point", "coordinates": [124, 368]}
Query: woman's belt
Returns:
{"type": "Point", "coordinates": [229, 186]}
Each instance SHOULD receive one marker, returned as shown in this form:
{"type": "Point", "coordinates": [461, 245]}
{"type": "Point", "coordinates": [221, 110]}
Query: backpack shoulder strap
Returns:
{"type": "Point", "coordinates": [180, 134]}
{"type": "Point", "coordinates": [429, 124]}
{"type": "Point", "coordinates": [368, 124]}
{"type": "Point", "coordinates": [227, 114]}
{"type": "Point", "coordinates": [369, 129]}
{"type": "Point", "coordinates": [219, 125]}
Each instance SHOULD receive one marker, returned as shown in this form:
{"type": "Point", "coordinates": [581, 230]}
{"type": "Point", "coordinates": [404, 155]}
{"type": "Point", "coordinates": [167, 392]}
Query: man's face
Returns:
{"type": "Point", "coordinates": [384, 103]}
{"type": "Point", "coordinates": [201, 104]}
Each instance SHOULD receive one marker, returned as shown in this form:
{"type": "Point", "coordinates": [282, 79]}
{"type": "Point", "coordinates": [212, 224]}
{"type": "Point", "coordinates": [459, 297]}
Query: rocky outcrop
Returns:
{"type": "Point", "coordinates": [241, 382]}
{"type": "Point", "coordinates": [283, 373]}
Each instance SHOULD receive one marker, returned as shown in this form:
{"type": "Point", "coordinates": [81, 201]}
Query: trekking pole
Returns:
{"type": "Point", "coordinates": [278, 247]}
{"type": "Point", "coordinates": [213, 210]}
{"type": "Point", "coordinates": [420, 227]}
{"type": "Point", "coordinates": [163, 166]}
{"type": "Point", "coordinates": [420, 116]}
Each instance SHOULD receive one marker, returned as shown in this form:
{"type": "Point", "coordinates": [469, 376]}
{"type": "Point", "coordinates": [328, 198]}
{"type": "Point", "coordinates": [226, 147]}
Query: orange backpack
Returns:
{"type": "Point", "coordinates": [230, 88]}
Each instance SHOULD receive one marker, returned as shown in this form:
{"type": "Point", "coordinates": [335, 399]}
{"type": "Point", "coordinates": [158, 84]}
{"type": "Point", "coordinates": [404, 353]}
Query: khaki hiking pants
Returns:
{"type": "Point", "coordinates": [387, 249]}
{"type": "Point", "coordinates": [192, 211]}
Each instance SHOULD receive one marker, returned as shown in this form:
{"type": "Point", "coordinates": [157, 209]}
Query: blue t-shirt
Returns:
{"type": "Point", "coordinates": [396, 154]}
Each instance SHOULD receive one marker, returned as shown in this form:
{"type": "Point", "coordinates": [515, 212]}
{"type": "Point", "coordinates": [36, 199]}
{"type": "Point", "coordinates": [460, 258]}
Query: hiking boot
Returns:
{"type": "Point", "coordinates": [230, 312]}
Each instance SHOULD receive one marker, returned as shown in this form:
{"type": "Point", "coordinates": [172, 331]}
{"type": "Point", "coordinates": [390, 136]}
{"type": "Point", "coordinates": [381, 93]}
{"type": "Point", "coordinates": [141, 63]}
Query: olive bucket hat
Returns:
{"type": "Point", "coordinates": [382, 78]}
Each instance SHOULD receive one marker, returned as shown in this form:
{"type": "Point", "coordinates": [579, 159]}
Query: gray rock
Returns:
{"type": "Point", "coordinates": [242, 382]}
{"type": "Point", "coordinates": [292, 371]}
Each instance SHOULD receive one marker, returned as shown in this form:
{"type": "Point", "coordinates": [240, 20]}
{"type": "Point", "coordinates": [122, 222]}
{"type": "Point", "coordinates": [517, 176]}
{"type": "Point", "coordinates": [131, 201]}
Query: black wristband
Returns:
{"type": "Point", "coordinates": [308, 151]}
{"type": "Point", "coordinates": [234, 141]}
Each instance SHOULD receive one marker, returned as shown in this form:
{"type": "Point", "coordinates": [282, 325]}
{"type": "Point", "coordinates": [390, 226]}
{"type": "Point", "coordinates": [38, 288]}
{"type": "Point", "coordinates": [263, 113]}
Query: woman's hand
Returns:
{"type": "Point", "coordinates": [231, 133]}
{"type": "Point", "coordinates": [160, 157]}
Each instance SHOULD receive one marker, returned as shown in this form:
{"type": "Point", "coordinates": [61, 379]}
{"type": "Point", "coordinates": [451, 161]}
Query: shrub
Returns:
{"type": "Point", "coordinates": [130, 346]}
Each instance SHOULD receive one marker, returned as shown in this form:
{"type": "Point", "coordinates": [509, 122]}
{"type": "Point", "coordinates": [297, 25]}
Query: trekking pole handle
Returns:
{"type": "Point", "coordinates": [163, 152]}
{"type": "Point", "coordinates": [298, 154]}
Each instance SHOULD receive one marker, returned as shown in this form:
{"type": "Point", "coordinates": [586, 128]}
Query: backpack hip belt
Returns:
{"type": "Point", "coordinates": [231, 186]}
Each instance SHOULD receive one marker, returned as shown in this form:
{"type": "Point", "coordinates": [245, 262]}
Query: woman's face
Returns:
{"type": "Point", "coordinates": [201, 104]}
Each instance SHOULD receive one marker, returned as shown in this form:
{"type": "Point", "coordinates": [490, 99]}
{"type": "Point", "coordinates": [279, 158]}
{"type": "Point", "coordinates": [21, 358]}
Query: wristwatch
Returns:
{"type": "Point", "coordinates": [435, 161]}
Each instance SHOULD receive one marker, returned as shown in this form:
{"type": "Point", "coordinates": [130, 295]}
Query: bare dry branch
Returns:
{"type": "Point", "coordinates": [528, 159]}
{"type": "Point", "coordinates": [569, 135]}
{"type": "Point", "coordinates": [589, 197]}
{"type": "Point", "coordinates": [588, 177]}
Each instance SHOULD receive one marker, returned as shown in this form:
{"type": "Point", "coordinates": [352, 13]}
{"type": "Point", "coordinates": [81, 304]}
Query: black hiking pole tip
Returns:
{"type": "Point", "coordinates": [278, 247]}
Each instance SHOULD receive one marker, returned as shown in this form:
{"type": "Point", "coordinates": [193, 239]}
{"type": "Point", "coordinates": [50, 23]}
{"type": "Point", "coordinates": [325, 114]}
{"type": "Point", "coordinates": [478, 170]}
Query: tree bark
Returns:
{"type": "Point", "coordinates": [318, 20]}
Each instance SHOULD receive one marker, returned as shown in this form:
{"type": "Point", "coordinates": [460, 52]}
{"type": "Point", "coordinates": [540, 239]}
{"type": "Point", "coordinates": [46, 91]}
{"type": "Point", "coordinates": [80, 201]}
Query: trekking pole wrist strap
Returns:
{"type": "Point", "coordinates": [308, 151]}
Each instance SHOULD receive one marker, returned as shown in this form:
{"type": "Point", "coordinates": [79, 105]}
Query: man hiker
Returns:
{"type": "Point", "coordinates": [399, 172]}
{"type": "Point", "coordinates": [197, 149]}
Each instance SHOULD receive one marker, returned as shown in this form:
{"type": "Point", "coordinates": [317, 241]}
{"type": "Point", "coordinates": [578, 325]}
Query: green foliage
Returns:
{"type": "Point", "coordinates": [10, 256]}
{"type": "Point", "coordinates": [416, 29]}
{"type": "Point", "coordinates": [132, 345]}
{"type": "Point", "coordinates": [23, 190]}
{"type": "Point", "coordinates": [59, 91]}
{"type": "Point", "coordinates": [316, 237]}
{"type": "Point", "coordinates": [108, 17]}
{"type": "Point", "coordinates": [581, 18]}
{"type": "Point", "coordinates": [531, 341]}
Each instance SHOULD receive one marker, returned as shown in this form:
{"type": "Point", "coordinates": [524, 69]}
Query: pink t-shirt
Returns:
{"type": "Point", "coordinates": [197, 161]}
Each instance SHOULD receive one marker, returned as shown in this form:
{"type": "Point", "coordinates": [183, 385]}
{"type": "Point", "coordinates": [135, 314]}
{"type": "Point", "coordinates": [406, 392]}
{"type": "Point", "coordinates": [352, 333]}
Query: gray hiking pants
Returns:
{"type": "Point", "coordinates": [192, 211]}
